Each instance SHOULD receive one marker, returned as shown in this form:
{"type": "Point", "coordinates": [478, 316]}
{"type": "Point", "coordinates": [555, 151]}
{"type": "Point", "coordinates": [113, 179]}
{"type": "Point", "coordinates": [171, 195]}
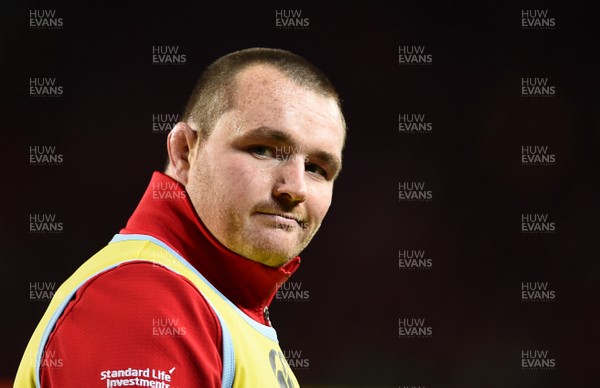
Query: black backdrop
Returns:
{"type": "Point", "coordinates": [348, 325]}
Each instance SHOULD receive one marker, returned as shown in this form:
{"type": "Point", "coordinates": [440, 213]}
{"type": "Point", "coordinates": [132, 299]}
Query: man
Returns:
{"type": "Point", "coordinates": [180, 297]}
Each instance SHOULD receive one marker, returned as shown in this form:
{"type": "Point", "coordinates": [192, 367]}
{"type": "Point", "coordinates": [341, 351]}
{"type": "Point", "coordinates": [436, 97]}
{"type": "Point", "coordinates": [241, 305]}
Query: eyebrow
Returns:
{"type": "Point", "coordinates": [271, 134]}
{"type": "Point", "coordinates": [280, 136]}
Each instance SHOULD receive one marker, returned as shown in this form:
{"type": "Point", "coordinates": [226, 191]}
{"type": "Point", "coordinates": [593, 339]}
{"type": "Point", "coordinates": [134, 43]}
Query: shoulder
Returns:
{"type": "Point", "coordinates": [134, 289]}
{"type": "Point", "coordinates": [137, 315]}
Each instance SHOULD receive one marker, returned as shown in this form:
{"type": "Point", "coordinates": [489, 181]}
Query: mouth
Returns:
{"type": "Point", "coordinates": [283, 219]}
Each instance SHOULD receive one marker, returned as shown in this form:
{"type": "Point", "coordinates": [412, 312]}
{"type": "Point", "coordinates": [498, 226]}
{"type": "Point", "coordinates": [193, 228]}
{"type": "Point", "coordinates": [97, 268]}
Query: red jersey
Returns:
{"type": "Point", "coordinates": [108, 319]}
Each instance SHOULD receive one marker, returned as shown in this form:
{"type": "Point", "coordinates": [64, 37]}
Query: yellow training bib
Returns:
{"type": "Point", "coordinates": [251, 353]}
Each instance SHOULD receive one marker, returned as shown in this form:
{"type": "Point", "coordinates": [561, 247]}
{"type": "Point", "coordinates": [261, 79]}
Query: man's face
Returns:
{"type": "Point", "coordinates": [262, 182]}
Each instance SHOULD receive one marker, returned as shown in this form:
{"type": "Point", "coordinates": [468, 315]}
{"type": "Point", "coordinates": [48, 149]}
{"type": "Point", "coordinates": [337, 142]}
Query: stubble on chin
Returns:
{"type": "Point", "coordinates": [261, 246]}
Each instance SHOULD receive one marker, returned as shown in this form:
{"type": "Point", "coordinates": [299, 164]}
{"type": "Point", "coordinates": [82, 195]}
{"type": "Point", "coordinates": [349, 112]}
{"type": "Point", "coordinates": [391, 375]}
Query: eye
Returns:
{"type": "Point", "coordinates": [315, 169]}
{"type": "Point", "coordinates": [262, 151]}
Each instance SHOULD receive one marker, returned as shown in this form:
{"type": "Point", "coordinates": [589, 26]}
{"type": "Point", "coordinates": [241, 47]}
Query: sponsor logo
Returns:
{"type": "Point", "coordinates": [148, 377]}
{"type": "Point", "coordinates": [281, 369]}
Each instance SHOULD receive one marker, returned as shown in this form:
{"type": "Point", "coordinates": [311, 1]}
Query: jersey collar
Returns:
{"type": "Point", "coordinates": [166, 213]}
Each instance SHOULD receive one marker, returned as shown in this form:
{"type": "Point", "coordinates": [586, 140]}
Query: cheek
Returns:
{"type": "Point", "coordinates": [320, 201]}
{"type": "Point", "coordinates": [242, 180]}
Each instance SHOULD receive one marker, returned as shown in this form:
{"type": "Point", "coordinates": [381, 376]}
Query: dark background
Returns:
{"type": "Point", "coordinates": [348, 329]}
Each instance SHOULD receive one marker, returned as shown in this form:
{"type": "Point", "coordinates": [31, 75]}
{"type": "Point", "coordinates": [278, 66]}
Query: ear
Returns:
{"type": "Point", "coordinates": [181, 144]}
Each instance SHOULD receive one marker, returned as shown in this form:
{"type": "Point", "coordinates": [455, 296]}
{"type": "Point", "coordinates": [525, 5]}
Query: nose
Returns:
{"type": "Point", "coordinates": [290, 185]}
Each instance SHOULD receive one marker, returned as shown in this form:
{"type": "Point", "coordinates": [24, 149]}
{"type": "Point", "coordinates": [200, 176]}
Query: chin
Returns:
{"type": "Point", "coordinates": [272, 247]}
{"type": "Point", "coordinates": [273, 255]}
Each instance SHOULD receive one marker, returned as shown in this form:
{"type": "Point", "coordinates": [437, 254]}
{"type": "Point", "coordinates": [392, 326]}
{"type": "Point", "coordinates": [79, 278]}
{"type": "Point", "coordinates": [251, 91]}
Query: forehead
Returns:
{"type": "Point", "coordinates": [265, 97]}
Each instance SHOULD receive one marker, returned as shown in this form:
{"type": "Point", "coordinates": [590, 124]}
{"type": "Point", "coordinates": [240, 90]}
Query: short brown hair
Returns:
{"type": "Point", "coordinates": [213, 91]}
